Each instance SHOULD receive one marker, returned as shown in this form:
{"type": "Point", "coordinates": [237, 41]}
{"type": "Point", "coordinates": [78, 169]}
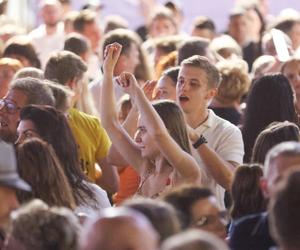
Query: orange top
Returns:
{"type": "Point", "coordinates": [129, 183]}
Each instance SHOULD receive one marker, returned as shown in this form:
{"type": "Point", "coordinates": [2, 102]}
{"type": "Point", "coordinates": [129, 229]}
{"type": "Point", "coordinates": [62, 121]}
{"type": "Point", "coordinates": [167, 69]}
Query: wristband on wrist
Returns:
{"type": "Point", "coordinates": [200, 141]}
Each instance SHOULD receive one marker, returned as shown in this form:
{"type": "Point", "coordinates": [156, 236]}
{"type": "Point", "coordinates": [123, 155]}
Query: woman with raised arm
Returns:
{"type": "Point", "coordinates": [160, 152]}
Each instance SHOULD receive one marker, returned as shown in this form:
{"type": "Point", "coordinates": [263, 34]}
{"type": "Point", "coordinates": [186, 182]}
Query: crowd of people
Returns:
{"type": "Point", "coordinates": [114, 139]}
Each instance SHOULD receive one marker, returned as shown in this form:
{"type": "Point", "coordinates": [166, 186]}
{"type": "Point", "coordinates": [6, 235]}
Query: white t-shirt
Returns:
{"type": "Point", "coordinates": [102, 201]}
{"type": "Point", "coordinates": [226, 140]}
{"type": "Point", "coordinates": [45, 44]}
{"type": "Point", "coordinates": [96, 87]}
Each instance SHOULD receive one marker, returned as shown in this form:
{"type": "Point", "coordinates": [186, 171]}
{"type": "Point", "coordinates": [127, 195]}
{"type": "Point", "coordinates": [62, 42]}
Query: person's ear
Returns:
{"type": "Point", "coordinates": [211, 93]}
{"type": "Point", "coordinates": [264, 187]}
{"type": "Point", "coordinates": [72, 83]}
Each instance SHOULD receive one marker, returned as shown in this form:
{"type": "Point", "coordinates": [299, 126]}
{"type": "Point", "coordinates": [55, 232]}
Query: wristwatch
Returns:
{"type": "Point", "coordinates": [200, 141]}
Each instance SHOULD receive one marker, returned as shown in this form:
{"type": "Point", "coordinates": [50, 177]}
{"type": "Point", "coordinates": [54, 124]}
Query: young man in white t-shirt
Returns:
{"type": "Point", "coordinates": [217, 144]}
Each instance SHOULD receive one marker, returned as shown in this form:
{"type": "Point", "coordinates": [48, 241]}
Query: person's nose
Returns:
{"type": "Point", "coordinates": [184, 86]}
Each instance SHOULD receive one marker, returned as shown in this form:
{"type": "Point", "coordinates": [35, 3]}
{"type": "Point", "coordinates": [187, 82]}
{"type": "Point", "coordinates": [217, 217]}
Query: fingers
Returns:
{"type": "Point", "coordinates": [113, 51]}
{"type": "Point", "coordinates": [148, 89]}
{"type": "Point", "coordinates": [125, 79]}
{"type": "Point", "coordinates": [122, 80]}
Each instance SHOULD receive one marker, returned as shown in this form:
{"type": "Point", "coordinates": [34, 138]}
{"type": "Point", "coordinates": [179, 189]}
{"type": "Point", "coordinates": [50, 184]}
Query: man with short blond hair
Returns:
{"type": "Point", "coordinates": [217, 144]}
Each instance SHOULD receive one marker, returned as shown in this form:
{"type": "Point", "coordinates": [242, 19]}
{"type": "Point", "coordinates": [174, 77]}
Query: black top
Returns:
{"type": "Point", "coordinates": [251, 233]}
{"type": "Point", "coordinates": [229, 114]}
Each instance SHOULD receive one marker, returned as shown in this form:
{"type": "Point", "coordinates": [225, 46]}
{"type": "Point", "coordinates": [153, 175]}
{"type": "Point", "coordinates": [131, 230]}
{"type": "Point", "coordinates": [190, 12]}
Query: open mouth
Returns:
{"type": "Point", "coordinates": [183, 98]}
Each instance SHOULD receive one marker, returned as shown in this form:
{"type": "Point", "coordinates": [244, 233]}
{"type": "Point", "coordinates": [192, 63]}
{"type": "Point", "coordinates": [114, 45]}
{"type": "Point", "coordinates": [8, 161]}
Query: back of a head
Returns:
{"type": "Point", "coordinates": [270, 99]}
{"type": "Point", "coordinates": [161, 215]}
{"type": "Point", "coordinates": [260, 65]}
{"type": "Point", "coordinates": [284, 211]}
{"type": "Point", "coordinates": [35, 90]}
{"type": "Point", "coordinates": [287, 149]}
{"type": "Point", "coordinates": [194, 240]}
{"type": "Point", "coordinates": [64, 66]}
{"type": "Point", "coordinates": [35, 226]}
{"type": "Point", "coordinates": [274, 134]}
{"type": "Point", "coordinates": [117, 229]}
{"type": "Point", "coordinates": [29, 72]}
{"type": "Point", "coordinates": [76, 43]}
{"type": "Point", "coordinates": [245, 191]}
{"type": "Point", "coordinates": [183, 198]}
{"type": "Point", "coordinates": [21, 46]}
{"type": "Point", "coordinates": [193, 46]}
{"type": "Point", "coordinates": [235, 81]}
{"type": "Point", "coordinates": [225, 46]}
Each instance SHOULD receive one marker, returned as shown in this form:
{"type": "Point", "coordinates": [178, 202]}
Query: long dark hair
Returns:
{"type": "Point", "coordinates": [246, 194]}
{"type": "Point", "coordinates": [40, 167]}
{"type": "Point", "coordinates": [270, 99]}
{"type": "Point", "coordinates": [52, 126]}
{"type": "Point", "coordinates": [274, 134]}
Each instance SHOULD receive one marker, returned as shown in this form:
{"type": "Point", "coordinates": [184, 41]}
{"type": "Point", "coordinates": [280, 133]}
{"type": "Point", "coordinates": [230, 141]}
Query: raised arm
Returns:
{"type": "Point", "coordinates": [184, 163]}
{"type": "Point", "coordinates": [221, 170]}
{"type": "Point", "coordinates": [120, 139]}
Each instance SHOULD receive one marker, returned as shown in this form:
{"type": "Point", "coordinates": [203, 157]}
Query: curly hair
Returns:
{"type": "Point", "coordinates": [36, 226]}
{"type": "Point", "coordinates": [235, 81]}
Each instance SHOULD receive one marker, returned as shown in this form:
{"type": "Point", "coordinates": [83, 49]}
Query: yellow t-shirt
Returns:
{"type": "Point", "coordinates": [91, 138]}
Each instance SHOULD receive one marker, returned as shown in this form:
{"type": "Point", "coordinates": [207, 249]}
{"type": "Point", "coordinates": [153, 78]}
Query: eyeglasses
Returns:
{"type": "Point", "coordinates": [10, 107]}
{"type": "Point", "coordinates": [212, 219]}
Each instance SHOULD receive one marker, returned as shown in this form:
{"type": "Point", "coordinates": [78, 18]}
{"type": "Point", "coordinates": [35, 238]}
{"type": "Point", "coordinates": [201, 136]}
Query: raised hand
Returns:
{"type": "Point", "coordinates": [149, 89]}
{"type": "Point", "coordinates": [128, 82]}
{"type": "Point", "coordinates": [111, 56]}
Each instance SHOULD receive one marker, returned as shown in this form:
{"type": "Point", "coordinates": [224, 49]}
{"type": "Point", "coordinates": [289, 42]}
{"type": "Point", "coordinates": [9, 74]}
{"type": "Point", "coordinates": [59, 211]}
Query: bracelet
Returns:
{"type": "Point", "coordinates": [200, 141]}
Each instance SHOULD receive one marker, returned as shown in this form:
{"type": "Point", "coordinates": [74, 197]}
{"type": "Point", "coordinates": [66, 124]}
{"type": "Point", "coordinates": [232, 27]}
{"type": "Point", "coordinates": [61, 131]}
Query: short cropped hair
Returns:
{"type": "Point", "coordinates": [64, 66]}
{"type": "Point", "coordinates": [201, 62]}
{"type": "Point", "coordinates": [83, 18]}
{"type": "Point", "coordinates": [124, 37]}
{"type": "Point", "coordinates": [35, 90]}
{"type": "Point", "coordinates": [203, 22]}
{"type": "Point", "coordinates": [29, 72]}
{"type": "Point", "coordinates": [76, 43]}
{"type": "Point", "coordinates": [192, 46]}
{"type": "Point", "coordinates": [290, 148]}
{"type": "Point", "coordinates": [22, 46]}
